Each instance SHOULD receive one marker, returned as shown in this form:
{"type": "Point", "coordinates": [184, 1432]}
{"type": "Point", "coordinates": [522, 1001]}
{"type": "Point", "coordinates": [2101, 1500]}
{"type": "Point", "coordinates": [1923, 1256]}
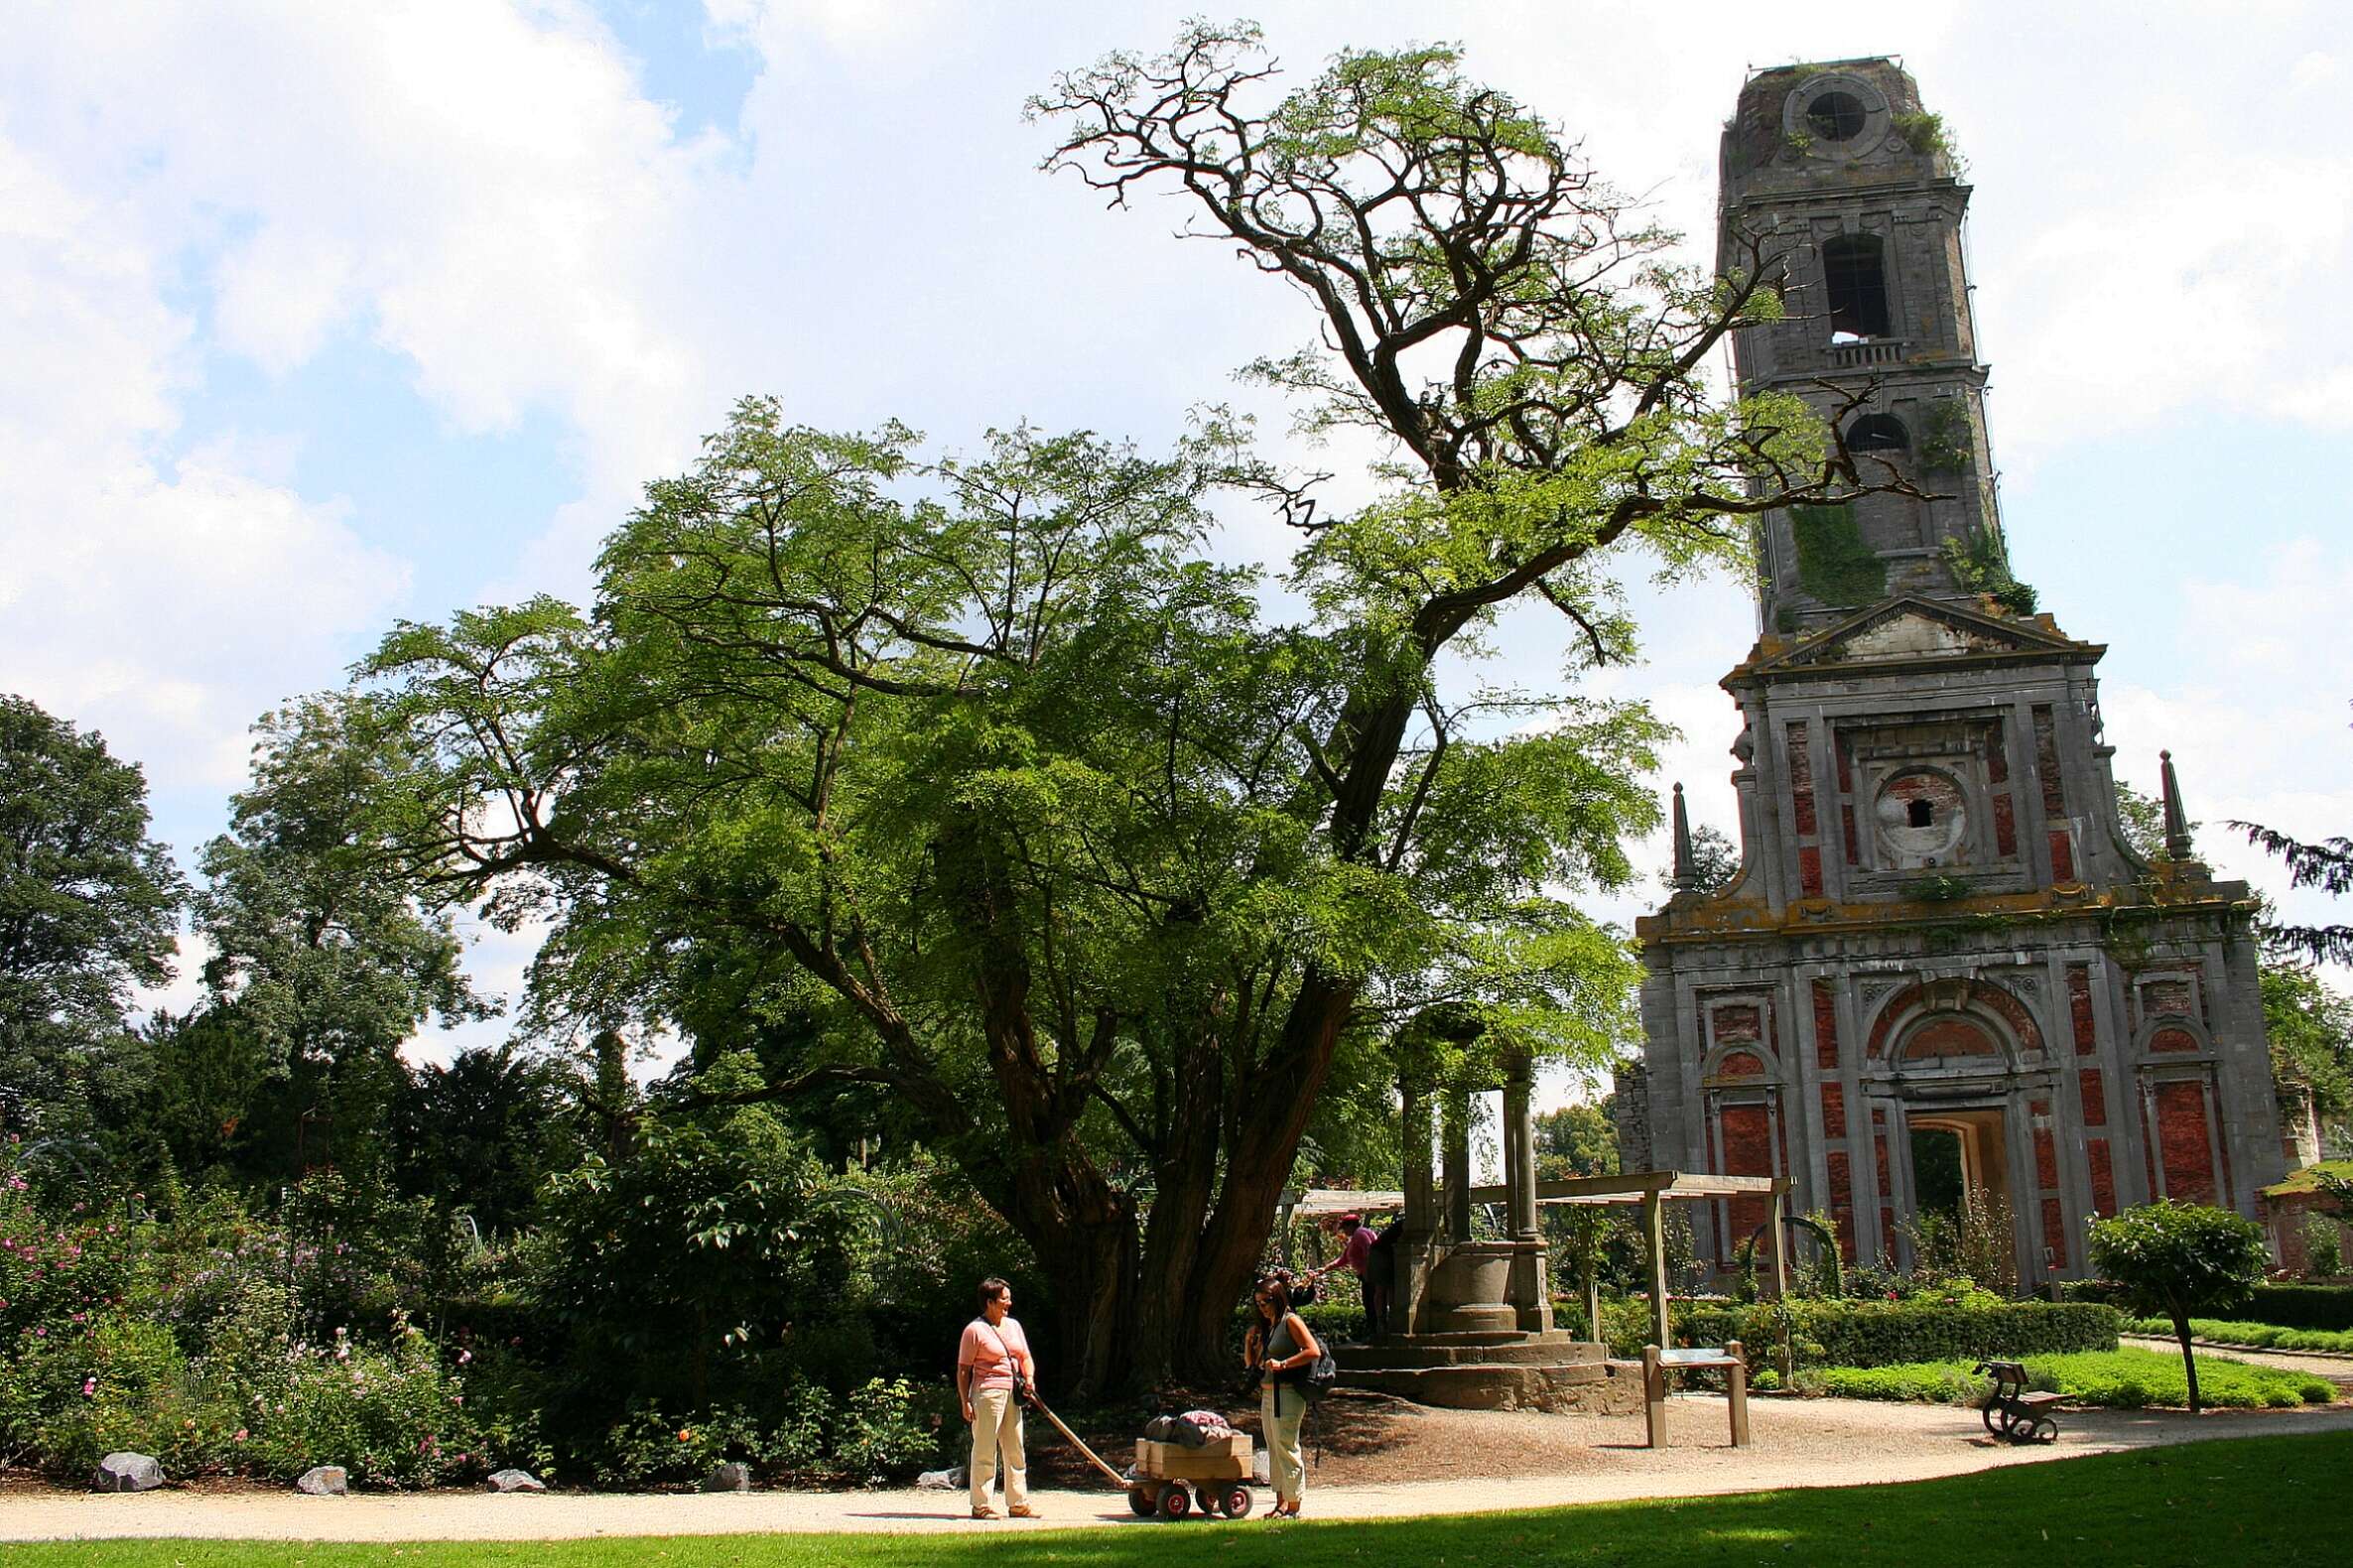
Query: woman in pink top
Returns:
{"type": "Point", "coordinates": [993, 1371]}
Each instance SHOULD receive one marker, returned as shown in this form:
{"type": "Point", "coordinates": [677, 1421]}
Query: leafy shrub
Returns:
{"type": "Point", "coordinates": [121, 1383]}
{"type": "Point", "coordinates": [649, 1447]}
{"type": "Point", "coordinates": [882, 1434]}
{"type": "Point", "coordinates": [2254, 1336]}
{"type": "Point", "coordinates": [2125, 1379]}
{"type": "Point", "coordinates": [1914, 1383]}
{"type": "Point", "coordinates": [2323, 1253]}
{"type": "Point", "coordinates": [393, 1417]}
{"type": "Point", "coordinates": [2327, 1307]}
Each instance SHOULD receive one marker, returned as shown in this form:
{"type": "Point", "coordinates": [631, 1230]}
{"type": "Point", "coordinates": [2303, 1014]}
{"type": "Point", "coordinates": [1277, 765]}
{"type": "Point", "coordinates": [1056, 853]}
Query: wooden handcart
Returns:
{"type": "Point", "coordinates": [1172, 1481]}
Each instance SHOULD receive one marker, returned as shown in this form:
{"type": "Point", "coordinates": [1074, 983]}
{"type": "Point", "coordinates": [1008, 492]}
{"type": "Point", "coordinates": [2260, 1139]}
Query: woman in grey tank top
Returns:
{"type": "Point", "coordinates": [1282, 1345]}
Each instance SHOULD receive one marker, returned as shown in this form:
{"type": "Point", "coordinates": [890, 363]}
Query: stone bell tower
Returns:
{"type": "Point", "coordinates": [1846, 181]}
{"type": "Point", "coordinates": [1942, 969]}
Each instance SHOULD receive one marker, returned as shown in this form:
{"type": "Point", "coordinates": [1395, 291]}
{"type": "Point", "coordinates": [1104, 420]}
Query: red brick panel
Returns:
{"type": "Point", "coordinates": [1997, 757]}
{"type": "Point", "coordinates": [1825, 1025]}
{"type": "Point", "coordinates": [2046, 763]}
{"type": "Point", "coordinates": [1841, 1185]}
{"type": "Point", "coordinates": [1951, 1037]}
{"type": "Point", "coordinates": [2005, 825]}
{"type": "Point", "coordinates": [2095, 1096]}
{"type": "Point", "coordinates": [1834, 1111]}
{"type": "Point", "coordinates": [1802, 780]}
{"type": "Point", "coordinates": [2062, 856]}
{"type": "Point", "coordinates": [2182, 1141]}
{"type": "Point", "coordinates": [1740, 1064]}
{"type": "Point", "coordinates": [2046, 1161]}
{"type": "Point", "coordinates": [1854, 849]}
{"type": "Point", "coordinates": [2079, 1008]}
{"type": "Point", "coordinates": [2173, 1040]}
{"type": "Point", "coordinates": [2054, 1233]}
{"type": "Point", "coordinates": [1810, 871]}
{"type": "Point", "coordinates": [1739, 1023]}
{"type": "Point", "coordinates": [1747, 1134]}
{"type": "Point", "coordinates": [2103, 1179]}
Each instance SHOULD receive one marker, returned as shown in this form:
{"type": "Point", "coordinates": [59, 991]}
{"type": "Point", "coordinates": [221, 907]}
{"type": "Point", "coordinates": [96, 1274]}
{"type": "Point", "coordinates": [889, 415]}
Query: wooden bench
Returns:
{"type": "Point", "coordinates": [1658, 1363]}
{"type": "Point", "coordinates": [2015, 1411]}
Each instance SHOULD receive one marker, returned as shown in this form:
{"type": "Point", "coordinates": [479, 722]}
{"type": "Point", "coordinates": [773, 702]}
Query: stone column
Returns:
{"type": "Point", "coordinates": [1531, 1282]}
{"type": "Point", "coordinates": [1411, 1255]}
{"type": "Point", "coordinates": [1519, 1150]}
{"type": "Point", "coordinates": [1455, 1165]}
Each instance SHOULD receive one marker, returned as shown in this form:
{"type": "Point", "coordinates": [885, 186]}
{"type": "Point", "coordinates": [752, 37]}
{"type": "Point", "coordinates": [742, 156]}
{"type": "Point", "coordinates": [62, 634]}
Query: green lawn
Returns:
{"type": "Point", "coordinates": [2130, 1378]}
{"type": "Point", "coordinates": [2269, 1500]}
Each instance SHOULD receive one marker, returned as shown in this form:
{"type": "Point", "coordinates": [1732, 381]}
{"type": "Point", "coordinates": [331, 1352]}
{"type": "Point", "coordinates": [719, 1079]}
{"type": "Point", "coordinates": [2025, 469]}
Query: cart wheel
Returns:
{"type": "Point", "coordinates": [1141, 1502]}
{"type": "Point", "coordinates": [1205, 1501]}
{"type": "Point", "coordinates": [1238, 1502]}
{"type": "Point", "coordinates": [1175, 1502]}
{"type": "Point", "coordinates": [2046, 1430]}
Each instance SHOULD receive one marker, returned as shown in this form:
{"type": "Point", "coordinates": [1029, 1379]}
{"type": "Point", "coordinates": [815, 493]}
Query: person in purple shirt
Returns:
{"type": "Point", "coordinates": [1356, 1256]}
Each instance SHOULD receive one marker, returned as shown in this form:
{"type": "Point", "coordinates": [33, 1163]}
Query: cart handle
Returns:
{"type": "Point", "coordinates": [1093, 1457]}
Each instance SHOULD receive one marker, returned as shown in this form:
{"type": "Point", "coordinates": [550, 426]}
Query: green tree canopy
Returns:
{"type": "Point", "coordinates": [329, 966]}
{"type": "Point", "coordinates": [984, 766]}
{"type": "Point", "coordinates": [2180, 1260]}
{"type": "Point", "coordinates": [87, 903]}
{"type": "Point", "coordinates": [2310, 1030]}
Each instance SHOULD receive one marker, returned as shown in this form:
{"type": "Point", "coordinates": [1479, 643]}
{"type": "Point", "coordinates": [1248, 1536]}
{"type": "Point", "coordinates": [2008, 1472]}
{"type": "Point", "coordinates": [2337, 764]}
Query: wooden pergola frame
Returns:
{"type": "Point", "coordinates": [1653, 1191]}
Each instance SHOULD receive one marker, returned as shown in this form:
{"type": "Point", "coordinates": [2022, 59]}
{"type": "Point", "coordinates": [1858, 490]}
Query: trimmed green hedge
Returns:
{"type": "Point", "coordinates": [2325, 1307]}
{"type": "Point", "coordinates": [2254, 1336]}
{"type": "Point", "coordinates": [2126, 1380]}
{"type": "Point", "coordinates": [2328, 1308]}
{"type": "Point", "coordinates": [1876, 1333]}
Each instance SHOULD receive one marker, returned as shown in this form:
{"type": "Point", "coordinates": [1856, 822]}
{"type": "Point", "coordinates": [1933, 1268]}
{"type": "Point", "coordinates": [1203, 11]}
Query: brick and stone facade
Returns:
{"type": "Point", "coordinates": [1938, 924]}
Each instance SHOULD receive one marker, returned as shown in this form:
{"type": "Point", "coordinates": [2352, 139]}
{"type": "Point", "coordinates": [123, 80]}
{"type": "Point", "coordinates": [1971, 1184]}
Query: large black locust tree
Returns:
{"type": "Point", "coordinates": [978, 780]}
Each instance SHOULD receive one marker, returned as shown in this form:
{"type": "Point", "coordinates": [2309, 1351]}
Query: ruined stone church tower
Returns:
{"type": "Point", "coordinates": [1938, 930]}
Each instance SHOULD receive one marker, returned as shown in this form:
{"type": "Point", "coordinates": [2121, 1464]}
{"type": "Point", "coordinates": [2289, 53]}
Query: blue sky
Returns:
{"type": "Point", "coordinates": [323, 314]}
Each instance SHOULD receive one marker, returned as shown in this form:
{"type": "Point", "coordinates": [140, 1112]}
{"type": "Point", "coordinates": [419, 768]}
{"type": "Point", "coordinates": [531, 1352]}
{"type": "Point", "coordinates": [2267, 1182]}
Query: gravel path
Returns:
{"type": "Point", "coordinates": [1810, 1443]}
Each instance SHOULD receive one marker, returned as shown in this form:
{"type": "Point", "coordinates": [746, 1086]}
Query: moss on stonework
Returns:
{"type": "Point", "coordinates": [1945, 439]}
{"type": "Point", "coordinates": [1834, 565]}
{"type": "Point", "coordinates": [1980, 565]}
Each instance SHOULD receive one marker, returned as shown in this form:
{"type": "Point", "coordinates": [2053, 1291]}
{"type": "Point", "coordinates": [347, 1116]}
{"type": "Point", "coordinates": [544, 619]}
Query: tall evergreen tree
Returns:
{"type": "Point", "coordinates": [87, 903]}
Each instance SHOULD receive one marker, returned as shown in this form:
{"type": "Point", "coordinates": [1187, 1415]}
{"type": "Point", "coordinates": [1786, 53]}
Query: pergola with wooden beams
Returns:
{"type": "Point", "coordinates": [1651, 1190]}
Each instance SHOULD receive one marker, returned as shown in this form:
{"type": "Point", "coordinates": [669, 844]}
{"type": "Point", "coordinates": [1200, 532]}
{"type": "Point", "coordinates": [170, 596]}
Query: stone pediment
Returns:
{"type": "Point", "coordinates": [1916, 630]}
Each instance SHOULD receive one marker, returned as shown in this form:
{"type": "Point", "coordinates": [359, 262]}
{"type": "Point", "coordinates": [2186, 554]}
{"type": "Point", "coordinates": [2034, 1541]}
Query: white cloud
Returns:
{"type": "Point", "coordinates": [480, 188]}
{"type": "Point", "coordinates": [490, 191]}
{"type": "Point", "coordinates": [2312, 69]}
{"type": "Point", "coordinates": [163, 605]}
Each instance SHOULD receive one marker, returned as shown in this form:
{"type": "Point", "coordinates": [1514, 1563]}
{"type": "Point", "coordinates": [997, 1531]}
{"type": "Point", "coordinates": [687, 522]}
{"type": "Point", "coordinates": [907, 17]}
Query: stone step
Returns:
{"type": "Point", "coordinates": [1428, 1350]}
{"type": "Point", "coordinates": [1587, 1387]}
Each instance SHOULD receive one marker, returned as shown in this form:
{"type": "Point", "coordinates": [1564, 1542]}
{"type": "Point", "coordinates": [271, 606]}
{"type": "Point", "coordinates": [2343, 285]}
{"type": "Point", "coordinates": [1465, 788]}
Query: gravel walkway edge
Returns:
{"type": "Point", "coordinates": [1812, 1443]}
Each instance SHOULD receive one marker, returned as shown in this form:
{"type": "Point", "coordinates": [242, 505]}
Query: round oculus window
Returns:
{"type": "Point", "coordinates": [1922, 818]}
{"type": "Point", "coordinates": [1835, 116]}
